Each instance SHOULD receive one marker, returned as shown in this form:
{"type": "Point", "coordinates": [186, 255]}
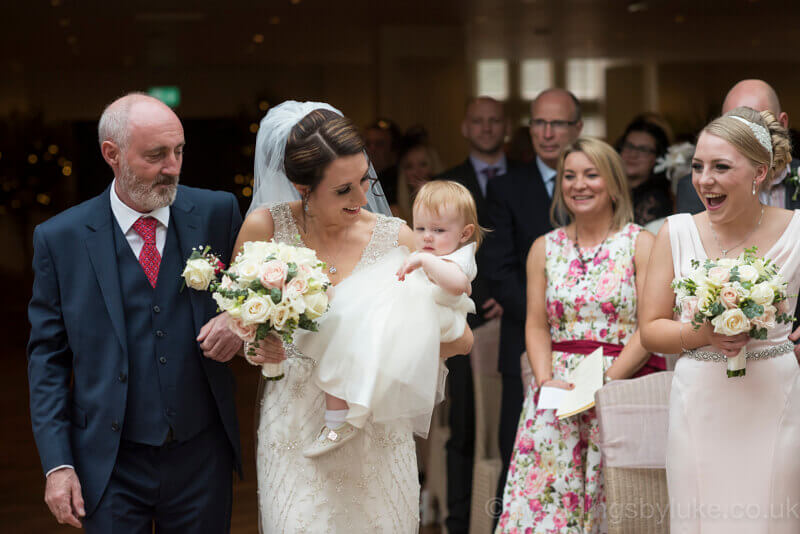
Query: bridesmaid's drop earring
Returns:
{"type": "Point", "coordinates": [754, 188]}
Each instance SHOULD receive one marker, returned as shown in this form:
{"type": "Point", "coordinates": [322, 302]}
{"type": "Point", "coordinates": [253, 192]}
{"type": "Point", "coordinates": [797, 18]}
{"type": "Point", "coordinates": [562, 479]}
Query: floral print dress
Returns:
{"type": "Point", "coordinates": [555, 482]}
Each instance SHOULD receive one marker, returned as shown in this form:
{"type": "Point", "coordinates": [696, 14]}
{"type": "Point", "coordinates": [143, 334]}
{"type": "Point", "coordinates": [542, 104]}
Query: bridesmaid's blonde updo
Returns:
{"type": "Point", "coordinates": [744, 140]}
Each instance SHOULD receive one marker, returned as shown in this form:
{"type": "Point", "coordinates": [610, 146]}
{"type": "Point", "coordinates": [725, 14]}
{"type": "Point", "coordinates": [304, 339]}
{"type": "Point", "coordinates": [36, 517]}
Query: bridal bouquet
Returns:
{"type": "Point", "coordinates": [742, 295]}
{"type": "Point", "coordinates": [269, 289]}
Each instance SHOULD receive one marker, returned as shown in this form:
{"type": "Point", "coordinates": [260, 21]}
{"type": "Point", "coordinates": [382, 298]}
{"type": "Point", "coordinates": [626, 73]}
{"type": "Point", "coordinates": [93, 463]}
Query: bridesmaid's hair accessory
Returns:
{"type": "Point", "coordinates": [760, 132]}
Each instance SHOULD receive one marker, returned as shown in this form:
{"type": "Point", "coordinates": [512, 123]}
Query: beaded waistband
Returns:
{"type": "Point", "coordinates": [771, 352]}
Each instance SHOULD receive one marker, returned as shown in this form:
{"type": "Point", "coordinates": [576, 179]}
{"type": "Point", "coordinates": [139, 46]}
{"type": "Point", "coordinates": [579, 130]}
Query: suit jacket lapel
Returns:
{"type": "Point", "coordinates": [471, 183]}
{"type": "Point", "coordinates": [471, 180]}
{"type": "Point", "coordinates": [188, 230]}
{"type": "Point", "coordinates": [103, 256]}
{"type": "Point", "coordinates": [791, 188]}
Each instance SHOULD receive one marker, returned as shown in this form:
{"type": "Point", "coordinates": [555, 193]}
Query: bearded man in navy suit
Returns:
{"type": "Point", "coordinates": [132, 403]}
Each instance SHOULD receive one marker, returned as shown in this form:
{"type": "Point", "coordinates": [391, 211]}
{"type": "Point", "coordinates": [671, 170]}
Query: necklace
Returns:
{"type": "Point", "coordinates": [332, 268]}
{"type": "Point", "coordinates": [726, 250]}
{"type": "Point", "coordinates": [585, 262]}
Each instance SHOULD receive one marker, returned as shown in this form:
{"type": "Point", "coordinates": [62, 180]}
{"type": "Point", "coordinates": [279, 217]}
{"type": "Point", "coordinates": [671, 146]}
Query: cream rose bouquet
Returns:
{"type": "Point", "coordinates": [269, 289]}
{"type": "Point", "coordinates": [737, 296]}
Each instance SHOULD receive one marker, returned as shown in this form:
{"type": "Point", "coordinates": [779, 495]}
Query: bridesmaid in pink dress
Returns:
{"type": "Point", "coordinates": [732, 452]}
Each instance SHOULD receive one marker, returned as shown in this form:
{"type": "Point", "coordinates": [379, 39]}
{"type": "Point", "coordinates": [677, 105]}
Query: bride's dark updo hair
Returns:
{"type": "Point", "coordinates": [319, 138]}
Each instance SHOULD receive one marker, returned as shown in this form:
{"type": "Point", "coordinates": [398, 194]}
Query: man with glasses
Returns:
{"type": "Point", "coordinates": [519, 212]}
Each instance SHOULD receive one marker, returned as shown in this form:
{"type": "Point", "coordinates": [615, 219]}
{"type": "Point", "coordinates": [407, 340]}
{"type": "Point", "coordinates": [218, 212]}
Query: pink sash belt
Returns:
{"type": "Point", "coordinates": [585, 346]}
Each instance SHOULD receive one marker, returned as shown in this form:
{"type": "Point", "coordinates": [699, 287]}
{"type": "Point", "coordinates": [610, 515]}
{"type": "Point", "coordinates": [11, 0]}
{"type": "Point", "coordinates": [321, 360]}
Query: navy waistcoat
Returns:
{"type": "Point", "coordinates": [167, 386]}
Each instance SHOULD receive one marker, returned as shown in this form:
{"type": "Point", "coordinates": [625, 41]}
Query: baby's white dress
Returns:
{"type": "Point", "coordinates": [378, 344]}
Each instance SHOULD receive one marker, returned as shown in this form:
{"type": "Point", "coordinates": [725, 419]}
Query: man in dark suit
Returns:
{"type": "Point", "coordinates": [131, 404]}
{"type": "Point", "coordinates": [484, 127]}
{"type": "Point", "coordinates": [519, 209]}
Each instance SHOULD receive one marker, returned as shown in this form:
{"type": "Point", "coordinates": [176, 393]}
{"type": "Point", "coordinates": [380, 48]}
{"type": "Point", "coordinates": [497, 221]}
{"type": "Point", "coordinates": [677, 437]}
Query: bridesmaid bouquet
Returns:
{"type": "Point", "coordinates": [269, 289]}
{"type": "Point", "coordinates": [742, 295]}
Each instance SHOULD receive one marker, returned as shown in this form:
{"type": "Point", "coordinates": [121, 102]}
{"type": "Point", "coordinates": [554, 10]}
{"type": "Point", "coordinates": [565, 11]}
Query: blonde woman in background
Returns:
{"type": "Point", "coordinates": [584, 281]}
{"type": "Point", "coordinates": [417, 164]}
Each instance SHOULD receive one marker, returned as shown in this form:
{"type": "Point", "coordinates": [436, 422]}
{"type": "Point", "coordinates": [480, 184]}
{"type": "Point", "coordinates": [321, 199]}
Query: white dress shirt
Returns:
{"type": "Point", "coordinates": [500, 168]}
{"type": "Point", "coordinates": [776, 195]}
{"type": "Point", "coordinates": [126, 216]}
{"type": "Point", "coordinates": [548, 175]}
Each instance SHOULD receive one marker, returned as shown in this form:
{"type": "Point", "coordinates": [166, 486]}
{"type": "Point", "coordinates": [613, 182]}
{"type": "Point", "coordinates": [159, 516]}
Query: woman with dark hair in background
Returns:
{"type": "Point", "coordinates": [642, 143]}
{"type": "Point", "coordinates": [417, 163]}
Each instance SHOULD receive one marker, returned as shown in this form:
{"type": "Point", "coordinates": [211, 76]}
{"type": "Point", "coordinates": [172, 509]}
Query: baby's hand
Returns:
{"type": "Point", "coordinates": [412, 263]}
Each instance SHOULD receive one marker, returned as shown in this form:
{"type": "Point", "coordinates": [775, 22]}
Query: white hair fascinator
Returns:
{"type": "Point", "coordinates": [760, 132]}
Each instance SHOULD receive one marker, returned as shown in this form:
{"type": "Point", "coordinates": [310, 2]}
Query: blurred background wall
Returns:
{"type": "Point", "coordinates": [414, 61]}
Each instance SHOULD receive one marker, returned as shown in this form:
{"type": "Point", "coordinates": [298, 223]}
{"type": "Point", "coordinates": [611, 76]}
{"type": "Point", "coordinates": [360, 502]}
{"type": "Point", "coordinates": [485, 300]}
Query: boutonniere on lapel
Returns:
{"type": "Point", "coordinates": [793, 180]}
{"type": "Point", "coordinates": [202, 269]}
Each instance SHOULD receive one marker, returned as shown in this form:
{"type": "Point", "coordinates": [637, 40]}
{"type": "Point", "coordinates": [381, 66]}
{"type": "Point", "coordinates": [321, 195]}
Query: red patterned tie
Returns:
{"type": "Point", "coordinates": [149, 257]}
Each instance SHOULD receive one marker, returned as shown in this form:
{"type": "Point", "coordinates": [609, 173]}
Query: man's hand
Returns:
{"type": "Point", "coordinates": [491, 309]}
{"type": "Point", "coordinates": [794, 336]}
{"type": "Point", "coordinates": [63, 496]}
{"type": "Point", "coordinates": [217, 341]}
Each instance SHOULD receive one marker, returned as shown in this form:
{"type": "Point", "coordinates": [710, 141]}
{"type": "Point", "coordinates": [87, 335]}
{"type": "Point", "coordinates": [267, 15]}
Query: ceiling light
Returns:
{"type": "Point", "coordinates": [636, 7]}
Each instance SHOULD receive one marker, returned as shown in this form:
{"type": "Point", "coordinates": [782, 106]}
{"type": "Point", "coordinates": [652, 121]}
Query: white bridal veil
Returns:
{"type": "Point", "coordinates": [271, 184]}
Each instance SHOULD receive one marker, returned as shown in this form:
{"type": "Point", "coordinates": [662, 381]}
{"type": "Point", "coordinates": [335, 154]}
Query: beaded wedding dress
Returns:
{"type": "Point", "coordinates": [369, 485]}
{"type": "Point", "coordinates": [732, 448]}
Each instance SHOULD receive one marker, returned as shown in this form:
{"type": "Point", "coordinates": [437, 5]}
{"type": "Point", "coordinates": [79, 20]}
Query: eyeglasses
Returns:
{"type": "Point", "coordinates": [643, 150]}
{"type": "Point", "coordinates": [557, 126]}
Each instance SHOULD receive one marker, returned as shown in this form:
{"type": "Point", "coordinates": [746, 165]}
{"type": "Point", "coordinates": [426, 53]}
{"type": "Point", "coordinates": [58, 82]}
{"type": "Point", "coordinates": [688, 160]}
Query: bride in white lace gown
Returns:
{"type": "Point", "coordinates": [371, 483]}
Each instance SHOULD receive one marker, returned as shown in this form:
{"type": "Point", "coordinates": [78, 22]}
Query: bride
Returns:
{"type": "Point", "coordinates": [312, 181]}
{"type": "Point", "coordinates": [732, 462]}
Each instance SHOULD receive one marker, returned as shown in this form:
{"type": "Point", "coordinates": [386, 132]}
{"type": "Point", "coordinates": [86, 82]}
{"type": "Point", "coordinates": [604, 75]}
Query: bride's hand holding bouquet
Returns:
{"type": "Point", "coordinates": [270, 290]}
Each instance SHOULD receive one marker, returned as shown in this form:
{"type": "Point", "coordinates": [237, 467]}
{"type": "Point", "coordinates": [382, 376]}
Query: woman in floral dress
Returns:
{"type": "Point", "coordinates": [583, 281]}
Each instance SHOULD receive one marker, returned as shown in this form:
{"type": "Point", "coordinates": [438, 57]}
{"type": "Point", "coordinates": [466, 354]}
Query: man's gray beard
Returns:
{"type": "Point", "coordinates": [145, 195]}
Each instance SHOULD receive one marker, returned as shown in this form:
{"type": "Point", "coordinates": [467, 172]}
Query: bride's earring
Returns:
{"type": "Point", "coordinates": [754, 188]}
{"type": "Point", "coordinates": [304, 201]}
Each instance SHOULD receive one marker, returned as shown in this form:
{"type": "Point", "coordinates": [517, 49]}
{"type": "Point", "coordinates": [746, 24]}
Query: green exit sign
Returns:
{"type": "Point", "coordinates": [168, 94]}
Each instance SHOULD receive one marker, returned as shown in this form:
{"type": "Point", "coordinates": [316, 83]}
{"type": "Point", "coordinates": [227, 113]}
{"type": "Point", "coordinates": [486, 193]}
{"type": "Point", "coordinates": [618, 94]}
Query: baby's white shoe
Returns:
{"type": "Point", "coordinates": [330, 439]}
